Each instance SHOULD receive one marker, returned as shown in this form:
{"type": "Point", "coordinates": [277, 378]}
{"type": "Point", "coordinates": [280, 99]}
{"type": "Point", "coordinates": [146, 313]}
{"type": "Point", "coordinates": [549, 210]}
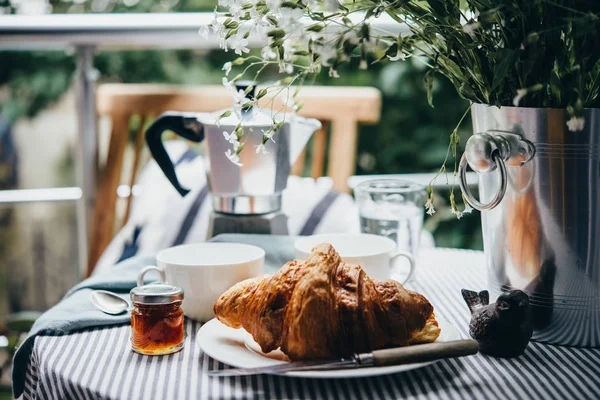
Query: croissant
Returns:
{"type": "Point", "coordinates": [324, 308]}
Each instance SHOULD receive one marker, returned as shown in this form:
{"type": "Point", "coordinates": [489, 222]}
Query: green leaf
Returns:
{"type": "Point", "coordinates": [428, 81]}
{"type": "Point", "coordinates": [506, 62]}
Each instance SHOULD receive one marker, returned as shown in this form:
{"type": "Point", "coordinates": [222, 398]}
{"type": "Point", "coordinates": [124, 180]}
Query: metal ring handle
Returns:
{"type": "Point", "coordinates": [462, 174]}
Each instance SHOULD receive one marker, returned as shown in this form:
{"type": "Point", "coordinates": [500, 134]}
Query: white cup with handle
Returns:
{"type": "Point", "coordinates": [205, 271]}
{"type": "Point", "coordinates": [377, 255]}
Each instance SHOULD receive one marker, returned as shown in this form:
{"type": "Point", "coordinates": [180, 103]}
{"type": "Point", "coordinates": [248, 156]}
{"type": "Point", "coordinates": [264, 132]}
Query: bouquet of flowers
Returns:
{"type": "Point", "coordinates": [526, 53]}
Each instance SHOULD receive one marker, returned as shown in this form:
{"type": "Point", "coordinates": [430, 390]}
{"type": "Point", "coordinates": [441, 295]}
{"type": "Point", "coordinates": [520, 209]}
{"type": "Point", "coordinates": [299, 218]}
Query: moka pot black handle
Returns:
{"type": "Point", "coordinates": [185, 125]}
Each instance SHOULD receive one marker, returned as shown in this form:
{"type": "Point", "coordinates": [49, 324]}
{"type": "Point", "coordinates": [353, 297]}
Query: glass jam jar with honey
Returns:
{"type": "Point", "coordinates": [157, 319]}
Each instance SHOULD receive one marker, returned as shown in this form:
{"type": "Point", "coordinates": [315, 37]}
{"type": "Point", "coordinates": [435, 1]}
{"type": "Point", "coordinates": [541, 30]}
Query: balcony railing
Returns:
{"type": "Point", "coordinates": [85, 34]}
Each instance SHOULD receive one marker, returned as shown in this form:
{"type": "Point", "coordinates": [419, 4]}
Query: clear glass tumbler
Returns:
{"type": "Point", "coordinates": [393, 208]}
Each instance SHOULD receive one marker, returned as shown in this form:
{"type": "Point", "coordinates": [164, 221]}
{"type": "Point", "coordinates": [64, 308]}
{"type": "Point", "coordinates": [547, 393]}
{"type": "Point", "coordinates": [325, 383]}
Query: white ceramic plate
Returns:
{"type": "Point", "coordinates": [236, 347]}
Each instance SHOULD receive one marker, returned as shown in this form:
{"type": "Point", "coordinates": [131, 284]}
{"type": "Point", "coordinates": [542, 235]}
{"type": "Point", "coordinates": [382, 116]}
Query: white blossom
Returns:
{"type": "Point", "coordinates": [352, 37]}
{"type": "Point", "coordinates": [239, 97]}
{"type": "Point", "coordinates": [269, 134]}
{"type": "Point", "coordinates": [261, 149]}
{"type": "Point", "coordinates": [267, 53]}
{"type": "Point", "coordinates": [285, 68]}
{"type": "Point", "coordinates": [274, 5]}
{"type": "Point", "coordinates": [235, 8]}
{"type": "Point", "coordinates": [326, 53]}
{"type": "Point", "coordinates": [458, 214]}
{"type": "Point", "coordinates": [288, 49]}
{"type": "Point", "coordinates": [239, 44]}
{"type": "Point", "coordinates": [470, 28]}
{"type": "Point", "coordinates": [576, 124]}
{"type": "Point", "coordinates": [233, 139]}
{"type": "Point", "coordinates": [233, 157]}
{"type": "Point", "coordinates": [32, 7]}
{"type": "Point", "coordinates": [227, 67]}
{"type": "Point", "coordinates": [227, 84]}
{"type": "Point", "coordinates": [224, 3]}
{"type": "Point", "coordinates": [332, 5]}
{"type": "Point", "coordinates": [203, 31]}
{"type": "Point", "coordinates": [363, 64]}
{"type": "Point", "coordinates": [399, 56]}
{"type": "Point", "coordinates": [468, 209]}
{"type": "Point", "coordinates": [520, 94]}
{"type": "Point", "coordinates": [429, 207]}
{"type": "Point", "coordinates": [333, 73]}
{"type": "Point", "coordinates": [289, 20]}
{"type": "Point", "coordinates": [217, 26]}
{"type": "Point", "coordinates": [230, 137]}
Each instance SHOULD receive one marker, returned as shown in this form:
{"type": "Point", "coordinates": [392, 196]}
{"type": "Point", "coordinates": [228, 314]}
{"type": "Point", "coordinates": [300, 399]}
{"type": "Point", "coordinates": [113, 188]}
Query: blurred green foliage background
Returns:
{"type": "Point", "coordinates": [411, 136]}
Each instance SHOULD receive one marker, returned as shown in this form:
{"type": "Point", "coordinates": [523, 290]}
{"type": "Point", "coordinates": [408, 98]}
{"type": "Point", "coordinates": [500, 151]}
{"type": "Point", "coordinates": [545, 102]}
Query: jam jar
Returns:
{"type": "Point", "coordinates": [157, 319]}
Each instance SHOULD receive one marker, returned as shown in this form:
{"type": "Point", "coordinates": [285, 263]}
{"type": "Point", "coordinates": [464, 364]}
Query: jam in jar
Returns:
{"type": "Point", "coordinates": [157, 319]}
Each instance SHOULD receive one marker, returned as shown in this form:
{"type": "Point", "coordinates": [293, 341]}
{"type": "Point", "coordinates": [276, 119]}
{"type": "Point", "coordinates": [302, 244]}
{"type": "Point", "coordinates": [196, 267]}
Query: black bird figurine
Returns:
{"type": "Point", "coordinates": [503, 328]}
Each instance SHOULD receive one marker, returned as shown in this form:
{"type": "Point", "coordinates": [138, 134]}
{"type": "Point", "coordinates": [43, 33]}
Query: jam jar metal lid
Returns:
{"type": "Point", "coordinates": [156, 293]}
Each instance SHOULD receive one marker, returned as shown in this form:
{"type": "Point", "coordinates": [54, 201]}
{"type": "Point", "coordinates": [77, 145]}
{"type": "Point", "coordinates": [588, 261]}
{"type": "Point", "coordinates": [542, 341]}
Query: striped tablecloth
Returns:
{"type": "Point", "coordinates": [98, 363]}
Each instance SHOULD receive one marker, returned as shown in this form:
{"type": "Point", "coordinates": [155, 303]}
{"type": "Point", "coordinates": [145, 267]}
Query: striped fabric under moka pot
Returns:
{"type": "Point", "coordinates": [541, 214]}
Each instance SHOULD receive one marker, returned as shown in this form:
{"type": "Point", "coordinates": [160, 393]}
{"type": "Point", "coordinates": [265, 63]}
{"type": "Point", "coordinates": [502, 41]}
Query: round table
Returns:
{"type": "Point", "coordinates": [98, 363]}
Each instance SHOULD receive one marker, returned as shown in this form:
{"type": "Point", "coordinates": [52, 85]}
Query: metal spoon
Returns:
{"type": "Point", "coordinates": [109, 302]}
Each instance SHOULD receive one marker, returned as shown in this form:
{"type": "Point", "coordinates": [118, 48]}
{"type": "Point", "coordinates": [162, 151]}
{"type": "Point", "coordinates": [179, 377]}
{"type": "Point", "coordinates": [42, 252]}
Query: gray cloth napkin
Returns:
{"type": "Point", "coordinates": [75, 311]}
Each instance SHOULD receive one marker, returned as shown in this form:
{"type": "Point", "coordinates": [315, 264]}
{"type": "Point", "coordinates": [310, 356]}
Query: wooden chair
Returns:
{"type": "Point", "coordinates": [340, 110]}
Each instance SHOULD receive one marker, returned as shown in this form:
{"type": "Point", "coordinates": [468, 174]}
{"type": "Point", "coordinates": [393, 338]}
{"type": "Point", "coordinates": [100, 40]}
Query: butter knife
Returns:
{"type": "Point", "coordinates": [394, 356]}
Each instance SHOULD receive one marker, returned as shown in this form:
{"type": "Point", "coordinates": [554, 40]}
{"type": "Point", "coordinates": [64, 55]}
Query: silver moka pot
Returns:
{"type": "Point", "coordinates": [246, 197]}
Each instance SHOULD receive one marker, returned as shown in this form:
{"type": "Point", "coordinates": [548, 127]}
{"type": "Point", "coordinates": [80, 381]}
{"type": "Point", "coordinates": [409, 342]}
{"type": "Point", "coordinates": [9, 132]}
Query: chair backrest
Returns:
{"type": "Point", "coordinates": [340, 110]}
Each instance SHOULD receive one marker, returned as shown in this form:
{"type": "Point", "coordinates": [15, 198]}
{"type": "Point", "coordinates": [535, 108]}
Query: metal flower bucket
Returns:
{"type": "Point", "coordinates": [539, 186]}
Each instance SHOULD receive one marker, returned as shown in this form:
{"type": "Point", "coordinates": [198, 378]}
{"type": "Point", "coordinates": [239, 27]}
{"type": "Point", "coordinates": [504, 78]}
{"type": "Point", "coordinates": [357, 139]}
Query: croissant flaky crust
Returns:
{"type": "Point", "coordinates": [324, 308]}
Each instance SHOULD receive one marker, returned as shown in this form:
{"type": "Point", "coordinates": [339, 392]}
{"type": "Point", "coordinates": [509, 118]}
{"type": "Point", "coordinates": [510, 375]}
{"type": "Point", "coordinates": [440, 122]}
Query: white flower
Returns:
{"type": "Point", "coordinates": [203, 32]}
{"type": "Point", "coordinates": [269, 135]}
{"type": "Point", "coordinates": [289, 19]}
{"type": "Point", "coordinates": [240, 98]}
{"type": "Point", "coordinates": [254, 15]}
{"type": "Point", "coordinates": [260, 149]}
{"type": "Point", "coordinates": [224, 3]}
{"type": "Point", "coordinates": [352, 37]}
{"type": "Point", "coordinates": [313, 68]}
{"type": "Point", "coordinates": [235, 8]}
{"type": "Point", "coordinates": [519, 96]}
{"type": "Point", "coordinates": [399, 56]}
{"type": "Point", "coordinates": [576, 124]}
{"type": "Point", "coordinates": [333, 73]}
{"type": "Point", "coordinates": [363, 64]}
{"type": "Point", "coordinates": [227, 84]}
{"type": "Point", "coordinates": [32, 7]}
{"type": "Point", "coordinates": [227, 68]}
{"type": "Point", "coordinates": [238, 43]}
{"type": "Point", "coordinates": [288, 49]}
{"type": "Point", "coordinates": [326, 53]}
{"type": "Point", "coordinates": [458, 214]}
{"type": "Point", "coordinates": [468, 209]}
{"type": "Point", "coordinates": [285, 68]}
{"type": "Point", "coordinates": [233, 157]}
{"type": "Point", "coordinates": [267, 53]}
{"type": "Point", "coordinates": [230, 137]}
{"type": "Point", "coordinates": [217, 26]}
{"type": "Point", "coordinates": [332, 5]}
{"type": "Point", "coordinates": [470, 28]}
{"type": "Point", "coordinates": [429, 207]}
{"type": "Point", "coordinates": [274, 5]}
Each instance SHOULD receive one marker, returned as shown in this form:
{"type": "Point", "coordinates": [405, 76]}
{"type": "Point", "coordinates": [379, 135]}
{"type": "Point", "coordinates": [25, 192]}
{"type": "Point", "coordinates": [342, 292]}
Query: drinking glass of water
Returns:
{"type": "Point", "coordinates": [392, 208]}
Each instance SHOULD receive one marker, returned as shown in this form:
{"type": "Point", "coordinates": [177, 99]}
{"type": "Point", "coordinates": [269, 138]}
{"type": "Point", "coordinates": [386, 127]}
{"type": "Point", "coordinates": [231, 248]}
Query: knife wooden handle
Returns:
{"type": "Point", "coordinates": [425, 352]}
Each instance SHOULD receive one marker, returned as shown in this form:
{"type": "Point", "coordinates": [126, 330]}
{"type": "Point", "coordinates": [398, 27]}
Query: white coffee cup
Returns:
{"type": "Point", "coordinates": [377, 255]}
{"type": "Point", "coordinates": [205, 271]}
